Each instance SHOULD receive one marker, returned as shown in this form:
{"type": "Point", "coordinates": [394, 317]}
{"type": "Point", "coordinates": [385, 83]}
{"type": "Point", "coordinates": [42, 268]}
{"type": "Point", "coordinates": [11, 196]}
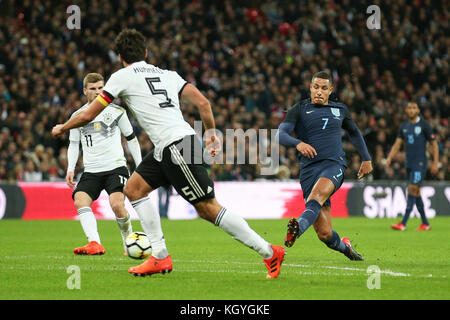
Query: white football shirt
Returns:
{"type": "Point", "coordinates": [101, 139]}
{"type": "Point", "coordinates": [151, 94]}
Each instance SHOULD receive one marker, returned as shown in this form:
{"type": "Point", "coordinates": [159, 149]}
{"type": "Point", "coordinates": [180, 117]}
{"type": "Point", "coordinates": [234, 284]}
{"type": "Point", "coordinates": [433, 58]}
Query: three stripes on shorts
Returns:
{"type": "Point", "coordinates": [186, 171]}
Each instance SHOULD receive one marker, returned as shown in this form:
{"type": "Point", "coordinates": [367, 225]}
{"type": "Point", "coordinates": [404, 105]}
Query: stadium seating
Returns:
{"type": "Point", "coordinates": [251, 62]}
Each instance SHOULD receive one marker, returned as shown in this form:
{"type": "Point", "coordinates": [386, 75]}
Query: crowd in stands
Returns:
{"type": "Point", "coordinates": [252, 59]}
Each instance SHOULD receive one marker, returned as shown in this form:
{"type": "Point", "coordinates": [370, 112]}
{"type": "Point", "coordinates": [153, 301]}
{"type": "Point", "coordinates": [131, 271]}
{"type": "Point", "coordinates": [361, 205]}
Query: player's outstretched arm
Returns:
{"type": "Point", "coordinates": [192, 95]}
{"type": "Point", "coordinates": [132, 141]}
{"type": "Point", "coordinates": [72, 157]}
{"type": "Point", "coordinates": [284, 138]}
{"type": "Point", "coordinates": [284, 135]}
{"type": "Point", "coordinates": [435, 154]}
{"type": "Point", "coordinates": [73, 152]}
{"type": "Point", "coordinates": [358, 142]}
{"type": "Point", "coordinates": [395, 148]}
{"type": "Point", "coordinates": [429, 135]}
{"type": "Point", "coordinates": [81, 118]}
{"type": "Point", "coordinates": [135, 149]}
{"type": "Point", "coordinates": [287, 127]}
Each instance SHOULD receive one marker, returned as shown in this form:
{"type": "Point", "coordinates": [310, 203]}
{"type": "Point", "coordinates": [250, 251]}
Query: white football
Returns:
{"type": "Point", "coordinates": [138, 245]}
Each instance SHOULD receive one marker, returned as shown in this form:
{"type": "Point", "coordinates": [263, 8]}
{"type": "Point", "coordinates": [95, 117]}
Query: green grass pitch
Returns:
{"type": "Point", "coordinates": [210, 265]}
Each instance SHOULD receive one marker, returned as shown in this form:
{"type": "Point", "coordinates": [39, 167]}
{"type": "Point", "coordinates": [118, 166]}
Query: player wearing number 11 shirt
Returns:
{"type": "Point", "coordinates": [104, 165]}
{"type": "Point", "coordinates": [153, 95]}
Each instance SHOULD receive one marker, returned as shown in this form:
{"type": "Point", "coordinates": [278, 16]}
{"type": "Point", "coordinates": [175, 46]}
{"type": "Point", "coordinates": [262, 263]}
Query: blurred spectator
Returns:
{"type": "Point", "coordinates": [284, 173]}
{"type": "Point", "coordinates": [31, 174]}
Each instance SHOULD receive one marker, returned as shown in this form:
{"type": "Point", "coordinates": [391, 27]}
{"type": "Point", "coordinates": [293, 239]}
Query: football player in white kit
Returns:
{"type": "Point", "coordinates": [154, 95]}
{"type": "Point", "coordinates": [104, 165]}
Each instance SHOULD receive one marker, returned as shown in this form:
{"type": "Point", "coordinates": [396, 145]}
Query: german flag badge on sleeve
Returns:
{"type": "Point", "coordinates": [105, 98]}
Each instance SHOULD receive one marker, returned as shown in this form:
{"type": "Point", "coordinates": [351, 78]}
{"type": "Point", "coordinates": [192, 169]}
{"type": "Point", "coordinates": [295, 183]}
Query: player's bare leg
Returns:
{"type": "Point", "coordinates": [88, 222]}
{"type": "Point", "coordinates": [82, 199]}
{"type": "Point", "coordinates": [137, 190]}
{"type": "Point", "coordinates": [239, 229]}
{"type": "Point", "coordinates": [117, 202]}
{"type": "Point", "coordinates": [323, 225]}
{"type": "Point", "coordinates": [208, 209]}
{"type": "Point", "coordinates": [321, 191]}
{"type": "Point", "coordinates": [330, 237]}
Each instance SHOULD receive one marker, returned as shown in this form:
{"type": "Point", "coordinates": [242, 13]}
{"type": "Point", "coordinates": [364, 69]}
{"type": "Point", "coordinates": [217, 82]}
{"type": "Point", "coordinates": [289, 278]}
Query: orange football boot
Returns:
{"type": "Point", "coordinates": [151, 266]}
{"type": "Point", "coordinates": [92, 248]}
{"type": "Point", "coordinates": [399, 226]}
{"type": "Point", "coordinates": [274, 264]}
{"type": "Point", "coordinates": [424, 227]}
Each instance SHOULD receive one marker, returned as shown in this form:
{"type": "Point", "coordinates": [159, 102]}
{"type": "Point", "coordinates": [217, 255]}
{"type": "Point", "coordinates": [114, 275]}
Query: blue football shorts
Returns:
{"type": "Point", "coordinates": [323, 169]}
{"type": "Point", "coordinates": [416, 175]}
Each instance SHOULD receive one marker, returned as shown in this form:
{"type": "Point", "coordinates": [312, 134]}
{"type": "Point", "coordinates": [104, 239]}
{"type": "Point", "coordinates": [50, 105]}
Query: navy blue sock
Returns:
{"type": "Point", "coordinates": [409, 206]}
{"type": "Point", "coordinates": [309, 216]}
{"type": "Point", "coordinates": [335, 243]}
{"type": "Point", "coordinates": [419, 205]}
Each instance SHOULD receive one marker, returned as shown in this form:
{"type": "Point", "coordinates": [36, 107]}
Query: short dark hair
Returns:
{"type": "Point", "coordinates": [130, 44]}
{"type": "Point", "coordinates": [323, 75]}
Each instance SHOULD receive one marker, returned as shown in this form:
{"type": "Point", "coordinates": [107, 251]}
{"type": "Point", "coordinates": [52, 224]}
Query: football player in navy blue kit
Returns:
{"type": "Point", "coordinates": [317, 124]}
{"type": "Point", "coordinates": [415, 133]}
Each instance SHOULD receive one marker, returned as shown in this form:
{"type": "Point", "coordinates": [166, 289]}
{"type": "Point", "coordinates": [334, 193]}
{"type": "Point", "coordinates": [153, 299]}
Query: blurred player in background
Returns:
{"type": "Point", "coordinates": [154, 95]}
{"type": "Point", "coordinates": [415, 133]}
{"type": "Point", "coordinates": [104, 164]}
{"type": "Point", "coordinates": [317, 124]}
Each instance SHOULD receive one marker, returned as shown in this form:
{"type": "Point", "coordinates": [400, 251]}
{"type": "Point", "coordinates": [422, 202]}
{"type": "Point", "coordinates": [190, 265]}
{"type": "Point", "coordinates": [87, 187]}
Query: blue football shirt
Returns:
{"type": "Point", "coordinates": [321, 127]}
{"type": "Point", "coordinates": [415, 135]}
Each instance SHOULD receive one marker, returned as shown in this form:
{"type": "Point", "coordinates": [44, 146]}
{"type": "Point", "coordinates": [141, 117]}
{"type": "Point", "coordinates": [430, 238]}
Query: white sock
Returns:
{"type": "Point", "coordinates": [151, 223]}
{"type": "Point", "coordinates": [239, 229]}
{"type": "Point", "coordinates": [89, 224]}
{"type": "Point", "coordinates": [125, 227]}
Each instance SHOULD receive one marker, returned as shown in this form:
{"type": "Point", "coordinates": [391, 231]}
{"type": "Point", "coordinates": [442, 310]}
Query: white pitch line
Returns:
{"type": "Point", "coordinates": [387, 272]}
{"type": "Point", "coordinates": [208, 262]}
